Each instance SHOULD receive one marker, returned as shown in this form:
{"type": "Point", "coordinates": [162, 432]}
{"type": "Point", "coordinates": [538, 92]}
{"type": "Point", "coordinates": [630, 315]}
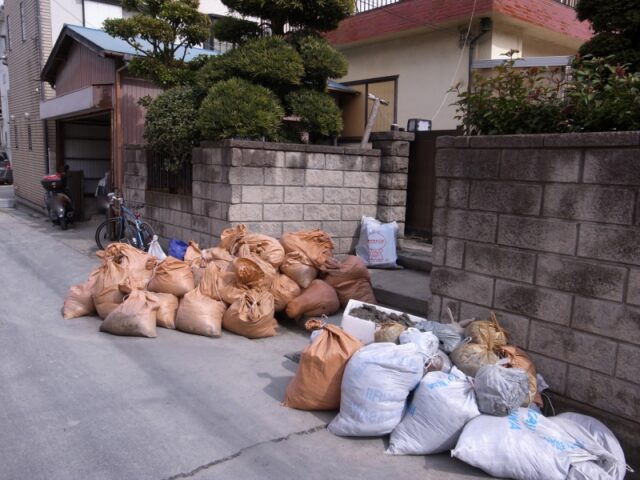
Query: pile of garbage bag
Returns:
{"type": "Point", "coordinates": [239, 285]}
{"type": "Point", "coordinates": [457, 387]}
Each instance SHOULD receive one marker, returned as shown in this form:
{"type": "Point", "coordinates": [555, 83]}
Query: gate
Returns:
{"type": "Point", "coordinates": [421, 187]}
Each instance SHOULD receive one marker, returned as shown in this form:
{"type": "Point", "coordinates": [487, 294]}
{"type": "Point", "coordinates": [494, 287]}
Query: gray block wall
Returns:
{"type": "Point", "coordinates": [274, 188]}
{"type": "Point", "coordinates": [545, 230]}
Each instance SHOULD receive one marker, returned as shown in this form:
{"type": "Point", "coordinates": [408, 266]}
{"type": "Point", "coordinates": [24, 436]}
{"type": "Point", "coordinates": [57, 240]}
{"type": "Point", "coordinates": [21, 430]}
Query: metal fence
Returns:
{"type": "Point", "coordinates": [161, 180]}
{"type": "Point", "coordinates": [366, 5]}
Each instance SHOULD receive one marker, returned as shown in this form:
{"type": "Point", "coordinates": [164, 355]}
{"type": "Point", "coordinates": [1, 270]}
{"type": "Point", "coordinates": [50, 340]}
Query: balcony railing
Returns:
{"type": "Point", "coordinates": [366, 5]}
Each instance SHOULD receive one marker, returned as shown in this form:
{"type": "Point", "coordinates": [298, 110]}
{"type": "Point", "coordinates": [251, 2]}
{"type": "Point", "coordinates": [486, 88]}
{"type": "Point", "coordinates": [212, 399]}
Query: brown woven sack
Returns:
{"type": "Point", "coordinates": [105, 292]}
{"type": "Point", "coordinates": [389, 332]}
{"type": "Point", "coordinates": [216, 255]}
{"type": "Point", "coordinates": [319, 299]}
{"type": "Point", "coordinates": [138, 264]}
{"type": "Point", "coordinates": [247, 271]}
{"type": "Point", "coordinates": [135, 317]}
{"type": "Point", "coordinates": [487, 332]}
{"type": "Point", "coordinates": [193, 252]}
{"type": "Point", "coordinates": [350, 277]}
{"type": "Point", "coordinates": [172, 276]}
{"type": "Point", "coordinates": [251, 315]}
{"type": "Point", "coordinates": [315, 244]}
{"type": "Point", "coordinates": [200, 314]}
{"type": "Point", "coordinates": [167, 308]}
{"type": "Point", "coordinates": [267, 248]}
{"type": "Point", "coordinates": [230, 236]}
{"type": "Point", "coordinates": [283, 290]}
{"type": "Point", "coordinates": [79, 302]}
{"type": "Point", "coordinates": [469, 357]}
{"type": "Point", "coordinates": [519, 359]}
{"type": "Point", "coordinates": [221, 285]}
{"type": "Point", "coordinates": [299, 268]}
{"type": "Point", "coordinates": [316, 385]}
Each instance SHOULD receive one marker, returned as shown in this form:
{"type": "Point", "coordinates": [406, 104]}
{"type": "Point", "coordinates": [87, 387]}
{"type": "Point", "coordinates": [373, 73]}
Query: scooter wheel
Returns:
{"type": "Point", "coordinates": [63, 224]}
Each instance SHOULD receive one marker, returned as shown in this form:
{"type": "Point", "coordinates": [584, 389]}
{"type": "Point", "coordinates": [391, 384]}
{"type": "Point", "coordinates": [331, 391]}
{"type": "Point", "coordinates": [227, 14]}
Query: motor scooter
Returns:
{"type": "Point", "coordinates": [57, 199]}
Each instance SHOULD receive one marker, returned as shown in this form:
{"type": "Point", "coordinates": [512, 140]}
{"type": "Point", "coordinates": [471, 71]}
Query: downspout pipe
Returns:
{"type": "Point", "coordinates": [485, 27]}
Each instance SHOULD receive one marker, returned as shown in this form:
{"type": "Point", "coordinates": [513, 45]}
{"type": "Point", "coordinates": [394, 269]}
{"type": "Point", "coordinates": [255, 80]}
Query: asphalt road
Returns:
{"type": "Point", "coordinates": [79, 404]}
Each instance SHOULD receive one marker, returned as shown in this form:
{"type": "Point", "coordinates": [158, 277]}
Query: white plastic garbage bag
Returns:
{"type": "Point", "coordinates": [375, 387]}
{"type": "Point", "coordinates": [524, 445]}
{"type": "Point", "coordinates": [156, 250]}
{"type": "Point", "coordinates": [427, 341]}
{"type": "Point", "coordinates": [449, 334]}
{"type": "Point", "coordinates": [377, 243]}
{"type": "Point", "coordinates": [594, 435]}
{"type": "Point", "coordinates": [501, 390]}
{"type": "Point", "coordinates": [442, 404]}
{"type": "Point", "coordinates": [440, 363]}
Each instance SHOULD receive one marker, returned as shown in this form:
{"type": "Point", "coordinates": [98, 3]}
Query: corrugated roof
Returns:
{"type": "Point", "coordinates": [109, 44]}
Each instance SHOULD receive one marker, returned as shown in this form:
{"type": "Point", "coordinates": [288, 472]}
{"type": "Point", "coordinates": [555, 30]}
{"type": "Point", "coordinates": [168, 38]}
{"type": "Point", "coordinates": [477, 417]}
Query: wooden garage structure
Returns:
{"type": "Point", "coordinates": [96, 108]}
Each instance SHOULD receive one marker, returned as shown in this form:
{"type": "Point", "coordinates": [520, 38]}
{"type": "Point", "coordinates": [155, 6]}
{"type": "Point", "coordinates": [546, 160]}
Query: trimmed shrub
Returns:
{"type": "Point", "coordinates": [238, 108]}
{"type": "Point", "coordinates": [270, 61]}
{"type": "Point", "coordinates": [168, 127]}
{"type": "Point", "coordinates": [319, 112]}
{"type": "Point", "coordinates": [321, 61]}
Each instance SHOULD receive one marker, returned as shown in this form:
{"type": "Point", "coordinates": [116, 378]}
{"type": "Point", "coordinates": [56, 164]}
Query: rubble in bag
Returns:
{"type": "Point", "coordinates": [200, 314]}
{"type": "Point", "coordinates": [450, 335]}
{"type": "Point", "coordinates": [319, 299]}
{"type": "Point", "coordinates": [167, 305]}
{"type": "Point", "coordinates": [370, 312]}
{"type": "Point", "coordinates": [316, 385]}
{"type": "Point", "coordinates": [377, 243]}
{"type": "Point", "coordinates": [105, 291]}
{"type": "Point", "coordinates": [134, 317]}
{"type": "Point", "coordinates": [299, 268]}
{"type": "Point", "coordinates": [375, 387]}
{"type": "Point", "coordinates": [267, 248]}
{"type": "Point", "coordinates": [251, 315]}
{"type": "Point", "coordinates": [598, 439]}
{"type": "Point", "coordinates": [487, 332]}
{"type": "Point", "coordinates": [469, 357]}
{"type": "Point", "coordinates": [284, 290]}
{"type": "Point", "coordinates": [350, 278]}
{"type": "Point", "coordinates": [138, 264]}
{"type": "Point", "coordinates": [172, 276]}
{"type": "Point", "coordinates": [427, 342]}
{"type": "Point", "coordinates": [221, 285]}
{"type": "Point", "coordinates": [517, 358]}
{"type": "Point", "coordinates": [247, 271]}
{"type": "Point", "coordinates": [389, 332]}
{"type": "Point", "coordinates": [440, 362]}
{"type": "Point", "coordinates": [230, 236]}
{"type": "Point", "coordinates": [500, 390]}
{"type": "Point", "coordinates": [263, 279]}
{"type": "Point", "coordinates": [79, 302]}
{"type": "Point", "coordinates": [441, 406]}
{"type": "Point", "coordinates": [523, 445]}
{"type": "Point", "coordinates": [316, 245]}
{"type": "Point", "coordinates": [192, 252]}
{"type": "Point", "coordinates": [220, 257]}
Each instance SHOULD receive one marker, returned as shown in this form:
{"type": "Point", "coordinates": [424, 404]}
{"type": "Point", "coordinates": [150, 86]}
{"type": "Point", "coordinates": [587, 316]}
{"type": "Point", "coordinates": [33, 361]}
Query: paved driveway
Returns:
{"type": "Point", "coordinates": [79, 404]}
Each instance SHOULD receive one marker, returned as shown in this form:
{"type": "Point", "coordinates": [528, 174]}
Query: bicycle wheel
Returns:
{"type": "Point", "coordinates": [145, 233]}
{"type": "Point", "coordinates": [111, 231]}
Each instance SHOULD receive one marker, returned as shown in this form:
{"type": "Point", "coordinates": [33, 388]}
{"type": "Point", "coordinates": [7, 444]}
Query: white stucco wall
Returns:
{"type": "Point", "coordinates": [212, 6]}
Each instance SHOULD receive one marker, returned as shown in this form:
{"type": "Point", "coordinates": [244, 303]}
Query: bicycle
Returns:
{"type": "Point", "coordinates": [126, 227]}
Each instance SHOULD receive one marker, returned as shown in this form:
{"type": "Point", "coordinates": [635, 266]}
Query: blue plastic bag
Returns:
{"type": "Point", "coordinates": [177, 248]}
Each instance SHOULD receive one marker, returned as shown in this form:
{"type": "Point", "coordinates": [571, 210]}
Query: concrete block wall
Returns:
{"type": "Point", "coordinates": [284, 187]}
{"type": "Point", "coordinates": [274, 188]}
{"type": "Point", "coordinates": [545, 230]}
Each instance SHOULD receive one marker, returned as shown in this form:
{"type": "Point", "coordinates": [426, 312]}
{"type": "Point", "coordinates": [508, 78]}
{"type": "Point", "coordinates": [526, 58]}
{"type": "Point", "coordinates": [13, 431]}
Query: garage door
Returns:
{"type": "Point", "coordinates": [87, 147]}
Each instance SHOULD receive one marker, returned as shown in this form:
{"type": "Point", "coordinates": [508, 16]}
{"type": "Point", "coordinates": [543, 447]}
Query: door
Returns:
{"type": "Point", "coordinates": [421, 187]}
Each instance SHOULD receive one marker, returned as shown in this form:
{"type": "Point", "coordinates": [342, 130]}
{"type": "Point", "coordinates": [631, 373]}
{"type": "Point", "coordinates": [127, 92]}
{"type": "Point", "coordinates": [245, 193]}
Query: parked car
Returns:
{"type": "Point", "coordinates": [6, 172]}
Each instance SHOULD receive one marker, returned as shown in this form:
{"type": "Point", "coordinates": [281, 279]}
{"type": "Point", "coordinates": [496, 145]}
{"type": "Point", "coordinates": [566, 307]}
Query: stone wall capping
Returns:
{"type": "Point", "coordinates": [592, 139]}
{"type": "Point", "coordinates": [506, 141]}
{"type": "Point", "coordinates": [394, 135]}
{"type": "Point", "coordinates": [461, 141]}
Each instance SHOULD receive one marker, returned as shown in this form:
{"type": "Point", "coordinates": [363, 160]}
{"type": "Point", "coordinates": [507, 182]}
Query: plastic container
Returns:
{"type": "Point", "coordinates": [364, 330]}
{"type": "Point", "coordinates": [52, 182]}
